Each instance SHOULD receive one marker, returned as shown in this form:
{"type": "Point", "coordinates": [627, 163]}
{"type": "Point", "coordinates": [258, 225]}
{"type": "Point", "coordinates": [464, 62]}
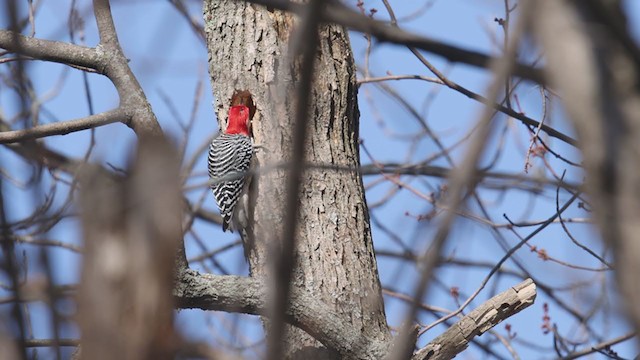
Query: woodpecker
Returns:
{"type": "Point", "coordinates": [230, 156]}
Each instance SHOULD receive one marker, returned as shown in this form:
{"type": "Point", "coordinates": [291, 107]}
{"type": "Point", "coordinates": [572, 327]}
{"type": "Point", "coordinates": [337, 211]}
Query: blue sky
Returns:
{"type": "Point", "coordinates": [170, 63]}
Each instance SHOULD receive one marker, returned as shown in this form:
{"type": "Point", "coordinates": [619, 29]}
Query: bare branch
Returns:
{"type": "Point", "coordinates": [114, 65]}
{"type": "Point", "coordinates": [336, 12]}
{"type": "Point", "coordinates": [45, 242]}
{"type": "Point", "coordinates": [594, 348]}
{"type": "Point", "coordinates": [250, 296]}
{"type": "Point", "coordinates": [599, 80]}
{"type": "Point", "coordinates": [55, 51]}
{"type": "Point", "coordinates": [51, 342]}
{"type": "Point", "coordinates": [461, 183]}
{"type": "Point", "coordinates": [477, 322]}
{"type": "Point", "coordinates": [64, 127]}
{"type": "Point", "coordinates": [132, 97]}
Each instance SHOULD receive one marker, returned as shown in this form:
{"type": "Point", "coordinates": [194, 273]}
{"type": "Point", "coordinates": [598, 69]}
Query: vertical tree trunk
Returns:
{"type": "Point", "coordinates": [247, 47]}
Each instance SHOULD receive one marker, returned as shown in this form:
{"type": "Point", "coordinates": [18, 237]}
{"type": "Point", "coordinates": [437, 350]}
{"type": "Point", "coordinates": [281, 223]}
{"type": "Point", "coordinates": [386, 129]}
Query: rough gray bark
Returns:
{"type": "Point", "coordinates": [492, 312]}
{"type": "Point", "coordinates": [247, 47]}
{"type": "Point", "coordinates": [249, 295]}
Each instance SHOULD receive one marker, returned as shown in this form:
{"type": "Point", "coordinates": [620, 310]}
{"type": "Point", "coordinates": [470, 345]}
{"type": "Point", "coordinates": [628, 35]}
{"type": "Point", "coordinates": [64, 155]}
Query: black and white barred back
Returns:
{"type": "Point", "coordinates": [229, 154]}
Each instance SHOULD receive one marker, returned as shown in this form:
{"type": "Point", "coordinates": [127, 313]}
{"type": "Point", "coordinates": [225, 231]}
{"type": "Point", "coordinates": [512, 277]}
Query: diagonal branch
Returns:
{"type": "Point", "coordinates": [143, 121]}
{"type": "Point", "coordinates": [477, 322]}
{"type": "Point", "coordinates": [108, 59]}
{"type": "Point", "coordinates": [65, 127]}
{"type": "Point", "coordinates": [335, 12]}
{"type": "Point", "coordinates": [55, 51]}
{"type": "Point", "coordinates": [474, 96]}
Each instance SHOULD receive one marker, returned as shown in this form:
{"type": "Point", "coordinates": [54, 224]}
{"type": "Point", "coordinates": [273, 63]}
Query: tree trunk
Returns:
{"type": "Point", "coordinates": [247, 47]}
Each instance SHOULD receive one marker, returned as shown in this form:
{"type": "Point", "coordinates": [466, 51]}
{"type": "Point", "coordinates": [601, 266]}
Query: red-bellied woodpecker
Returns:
{"type": "Point", "coordinates": [230, 157]}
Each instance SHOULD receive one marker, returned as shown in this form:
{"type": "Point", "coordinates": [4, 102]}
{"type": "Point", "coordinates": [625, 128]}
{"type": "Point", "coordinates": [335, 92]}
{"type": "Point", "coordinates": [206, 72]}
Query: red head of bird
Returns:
{"type": "Point", "coordinates": [238, 120]}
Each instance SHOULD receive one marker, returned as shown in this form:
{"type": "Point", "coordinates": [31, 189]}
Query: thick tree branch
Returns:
{"type": "Point", "coordinates": [477, 322]}
{"type": "Point", "coordinates": [335, 12]}
{"type": "Point", "coordinates": [65, 127]}
{"type": "Point", "coordinates": [55, 51]}
{"type": "Point", "coordinates": [106, 27]}
{"type": "Point", "coordinates": [132, 97]}
{"type": "Point", "coordinates": [110, 61]}
{"type": "Point", "coordinates": [250, 296]}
